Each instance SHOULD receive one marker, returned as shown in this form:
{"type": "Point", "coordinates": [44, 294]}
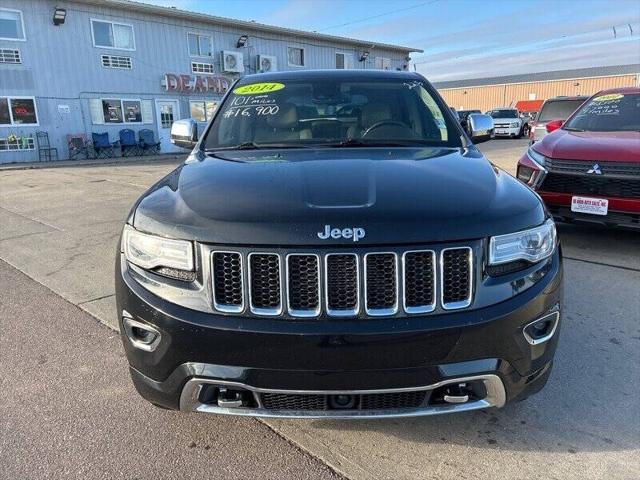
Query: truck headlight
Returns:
{"type": "Point", "coordinates": [536, 157]}
{"type": "Point", "coordinates": [149, 251]}
{"type": "Point", "coordinates": [515, 124]}
{"type": "Point", "coordinates": [532, 245]}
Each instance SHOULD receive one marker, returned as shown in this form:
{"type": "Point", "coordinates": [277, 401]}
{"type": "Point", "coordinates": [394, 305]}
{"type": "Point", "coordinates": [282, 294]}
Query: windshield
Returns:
{"type": "Point", "coordinates": [504, 113]}
{"type": "Point", "coordinates": [329, 112]}
{"type": "Point", "coordinates": [608, 113]}
{"type": "Point", "coordinates": [559, 109]}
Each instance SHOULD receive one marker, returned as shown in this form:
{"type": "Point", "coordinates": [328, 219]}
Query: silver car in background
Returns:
{"type": "Point", "coordinates": [558, 108]}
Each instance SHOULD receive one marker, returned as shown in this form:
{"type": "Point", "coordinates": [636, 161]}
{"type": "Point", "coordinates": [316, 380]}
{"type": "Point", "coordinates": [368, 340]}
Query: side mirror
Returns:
{"type": "Point", "coordinates": [480, 126]}
{"type": "Point", "coordinates": [554, 125]}
{"type": "Point", "coordinates": [184, 133]}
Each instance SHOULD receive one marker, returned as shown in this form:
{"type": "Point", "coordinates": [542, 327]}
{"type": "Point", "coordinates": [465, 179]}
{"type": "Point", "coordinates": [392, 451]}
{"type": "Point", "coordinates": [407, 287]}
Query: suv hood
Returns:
{"type": "Point", "coordinates": [285, 197]}
{"type": "Point", "coordinates": [592, 146]}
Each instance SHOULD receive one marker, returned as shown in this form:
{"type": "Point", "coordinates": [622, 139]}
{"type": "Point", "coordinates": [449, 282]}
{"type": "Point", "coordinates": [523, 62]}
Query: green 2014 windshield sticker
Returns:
{"type": "Point", "coordinates": [256, 88]}
{"type": "Point", "coordinates": [606, 98]}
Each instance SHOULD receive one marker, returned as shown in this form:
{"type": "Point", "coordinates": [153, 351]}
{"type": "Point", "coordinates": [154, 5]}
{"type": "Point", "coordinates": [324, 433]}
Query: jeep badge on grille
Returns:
{"type": "Point", "coordinates": [356, 233]}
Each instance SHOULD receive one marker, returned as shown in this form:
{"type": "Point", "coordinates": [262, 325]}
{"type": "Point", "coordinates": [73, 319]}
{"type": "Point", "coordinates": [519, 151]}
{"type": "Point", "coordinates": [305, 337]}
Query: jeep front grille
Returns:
{"type": "Point", "coordinates": [302, 284]}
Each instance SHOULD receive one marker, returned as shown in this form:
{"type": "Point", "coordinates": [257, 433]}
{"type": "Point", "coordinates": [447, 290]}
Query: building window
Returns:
{"type": "Point", "coordinates": [344, 61]}
{"type": "Point", "coordinates": [112, 111]}
{"type": "Point", "coordinates": [295, 56]}
{"type": "Point", "coordinates": [112, 35]}
{"type": "Point", "coordinates": [121, 111]}
{"type": "Point", "coordinates": [202, 111]}
{"type": "Point", "coordinates": [132, 112]}
{"type": "Point", "coordinates": [11, 24]}
{"type": "Point", "coordinates": [197, 67]}
{"type": "Point", "coordinates": [383, 63]}
{"type": "Point", "coordinates": [199, 45]}
{"type": "Point", "coordinates": [8, 55]}
{"type": "Point", "coordinates": [115, 61]}
{"type": "Point", "coordinates": [18, 111]}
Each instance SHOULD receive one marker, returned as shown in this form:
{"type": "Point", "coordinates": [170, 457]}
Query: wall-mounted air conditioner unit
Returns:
{"type": "Point", "coordinates": [232, 62]}
{"type": "Point", "coordinates": [267, 63]}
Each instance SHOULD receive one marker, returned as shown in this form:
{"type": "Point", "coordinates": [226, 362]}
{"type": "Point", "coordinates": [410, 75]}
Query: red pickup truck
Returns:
{"type": "Point", "coordinates": [588, 169]}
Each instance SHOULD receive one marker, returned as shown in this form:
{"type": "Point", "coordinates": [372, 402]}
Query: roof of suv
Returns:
{"type": "Point", "coordinates": [619, 90]}
{"type": "Point", "coordinates": [563, 97]}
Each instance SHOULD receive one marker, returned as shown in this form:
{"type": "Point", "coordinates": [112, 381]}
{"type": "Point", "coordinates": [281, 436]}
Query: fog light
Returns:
{"type": "Point", "coordinates": [141, 335]}
{"type": "Point", "coordinates": [542, 329]}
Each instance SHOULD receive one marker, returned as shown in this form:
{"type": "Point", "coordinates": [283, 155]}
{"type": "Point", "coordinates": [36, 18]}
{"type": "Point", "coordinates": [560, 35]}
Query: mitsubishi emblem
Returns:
{"type": "Point", "coordinates": [595, 169]}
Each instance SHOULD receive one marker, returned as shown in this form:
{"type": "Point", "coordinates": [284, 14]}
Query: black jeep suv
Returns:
{"type": "Point", "coordinates": [336, 246]}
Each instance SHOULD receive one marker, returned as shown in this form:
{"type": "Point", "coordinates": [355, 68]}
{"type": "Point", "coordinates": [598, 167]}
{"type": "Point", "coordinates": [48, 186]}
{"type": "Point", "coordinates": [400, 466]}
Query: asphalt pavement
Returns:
{"type": "Point", "coordinates": [68, 408]}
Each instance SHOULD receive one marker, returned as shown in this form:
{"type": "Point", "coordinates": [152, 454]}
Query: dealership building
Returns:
{"type": "Point", "coordinates": [73, 68]}
{"type": "Point", "coordinates": [527, 92]}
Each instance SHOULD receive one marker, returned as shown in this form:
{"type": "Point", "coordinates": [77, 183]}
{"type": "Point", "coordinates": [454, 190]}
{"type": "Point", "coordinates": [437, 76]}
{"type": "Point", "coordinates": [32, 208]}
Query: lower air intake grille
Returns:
{"type": "Point", "coordinates": [369, 401]}
{"type": "Point", "coordinates": [285, 401]}
{"type": "Point", "coordinates": [384, 401]}
{"type": "Point", "coordinates": [456, 277]}
{"type": "Point", "coordinates": [592, 185]}
{"type": "Point", "coordinates": [342, 284]}
{"type": "Point", "coordinates": [264, 275]}
{"type": "Point", "coordinates": [381, 287]}
{"type": "Point", "coordinates": [227, 281]}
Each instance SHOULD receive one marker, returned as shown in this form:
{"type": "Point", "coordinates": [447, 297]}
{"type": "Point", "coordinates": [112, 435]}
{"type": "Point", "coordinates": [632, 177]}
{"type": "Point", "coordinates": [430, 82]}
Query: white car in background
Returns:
{"type": "Point", "coordinates": [506, 122]}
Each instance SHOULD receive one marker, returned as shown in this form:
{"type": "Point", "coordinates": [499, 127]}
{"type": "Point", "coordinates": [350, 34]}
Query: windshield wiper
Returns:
{"type": "Point", "coordinates": [573, 129]}
{"type": "Point", "coordinates": [254, 146]}
{"type": "Point", "coordinates": [354, 142]}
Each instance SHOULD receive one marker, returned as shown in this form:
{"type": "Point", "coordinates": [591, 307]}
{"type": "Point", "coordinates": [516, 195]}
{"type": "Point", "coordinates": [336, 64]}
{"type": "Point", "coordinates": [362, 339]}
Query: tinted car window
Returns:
{"type": "Point", "coordinates": [558, 109]}
{"type": "Point", "coordinates": [608, 113]}
{"type": "Point", "coordinates": [504, 113]}
{"type": "Point", "coordinates": [329, 112]}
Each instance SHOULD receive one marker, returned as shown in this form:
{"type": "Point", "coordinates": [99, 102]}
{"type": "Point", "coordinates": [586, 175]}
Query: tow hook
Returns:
{"type": "Point", "coordinates": [455, 394]}
{"type": "Point", "coordinates": [229, 398]}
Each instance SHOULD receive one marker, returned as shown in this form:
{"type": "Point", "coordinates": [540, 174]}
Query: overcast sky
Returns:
{"type": "Point", "coordinates": [462, 38]}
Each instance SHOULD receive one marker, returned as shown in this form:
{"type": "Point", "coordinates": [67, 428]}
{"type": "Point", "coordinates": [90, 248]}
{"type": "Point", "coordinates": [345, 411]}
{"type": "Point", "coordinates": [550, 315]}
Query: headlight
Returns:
{"type": "Point", "coordinates": [536, 157]}
{"type": "Point", "coordinates": [533, 245]}
{"type": "Point", "coordinates": [515, 124]}
{"type": "Point", "coordinates": [149, 251]}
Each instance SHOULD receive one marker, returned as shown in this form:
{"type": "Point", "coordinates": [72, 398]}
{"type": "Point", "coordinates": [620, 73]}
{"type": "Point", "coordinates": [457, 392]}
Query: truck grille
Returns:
{"type": "Point", "coordinates": [617, 179]}
{"type": "Point", "coordinates": [581, 167]}
{"type": "Point", "coordinates": [301, 284]}
{"type": "Point", "coordinates": [591, 185]}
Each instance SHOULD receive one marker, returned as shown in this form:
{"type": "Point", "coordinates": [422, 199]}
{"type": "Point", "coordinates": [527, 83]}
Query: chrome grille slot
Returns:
{"type": "Point", "coordinates": [381, 283]}
{"type": "Point", "coordinates": [419, 281]}
{"type": "Point", "coordinates": [303, 285]}
{"type": "Point", "coordinates": [342, 284]}
{"type": "Point", "coordinates": [265, 284]}
{"type": "Point", "coordinates": [228, 295]}
{"type": "Point", "coordinates": [456, 276]}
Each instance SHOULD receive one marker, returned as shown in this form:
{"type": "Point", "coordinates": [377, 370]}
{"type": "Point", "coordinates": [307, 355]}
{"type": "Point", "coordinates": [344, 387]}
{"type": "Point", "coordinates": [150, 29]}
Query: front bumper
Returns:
{"type": "Point", "coordinates": [623, 212]}
{"type": "Point", "coordinates": [506, 131]}
{"type": "Point", "coordinates": [352, 357]}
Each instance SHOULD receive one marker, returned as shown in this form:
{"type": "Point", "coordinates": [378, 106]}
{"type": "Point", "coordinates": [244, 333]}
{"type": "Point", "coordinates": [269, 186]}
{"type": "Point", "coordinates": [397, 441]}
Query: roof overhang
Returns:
{"type": "Point", "coordinates": [172, 12]}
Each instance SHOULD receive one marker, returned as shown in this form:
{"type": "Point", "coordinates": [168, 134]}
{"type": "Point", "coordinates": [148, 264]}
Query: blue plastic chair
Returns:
{"type": "Point", "coordinates": [128, 145]}
{"type": "Point", "coordinates": [102, 147]}
{"type": "Point", "coordinates": [148, 141]}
